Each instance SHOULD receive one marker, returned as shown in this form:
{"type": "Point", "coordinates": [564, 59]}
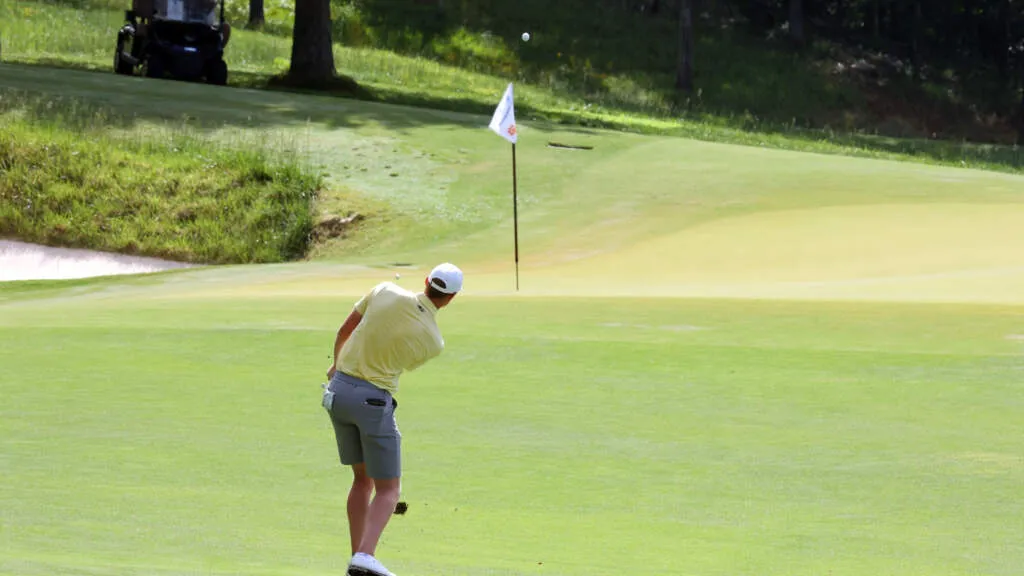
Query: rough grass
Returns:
{"type": "Point", "coordinates": [169, 193]}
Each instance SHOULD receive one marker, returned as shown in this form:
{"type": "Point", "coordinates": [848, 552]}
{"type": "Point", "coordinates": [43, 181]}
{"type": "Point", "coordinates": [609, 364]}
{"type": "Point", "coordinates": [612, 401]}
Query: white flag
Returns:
{"type": "Point", "coordinates": [504, 121]}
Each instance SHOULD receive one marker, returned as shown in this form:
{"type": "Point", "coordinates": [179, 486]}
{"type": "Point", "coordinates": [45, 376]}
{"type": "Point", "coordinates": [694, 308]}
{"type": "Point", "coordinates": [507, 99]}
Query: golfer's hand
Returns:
{"type": "Point", "coordinates": [331, 371]}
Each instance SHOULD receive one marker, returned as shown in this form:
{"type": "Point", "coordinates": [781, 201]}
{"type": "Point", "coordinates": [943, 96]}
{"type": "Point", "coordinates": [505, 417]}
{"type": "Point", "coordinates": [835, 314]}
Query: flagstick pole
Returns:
{"type": "Point", "coordinates": [515, 211]}
{"type": "Point", "coordinates": [503, 123]}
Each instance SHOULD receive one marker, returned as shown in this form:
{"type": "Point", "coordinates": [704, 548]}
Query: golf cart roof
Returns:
{"type": "Point", "coordinates": [204, 11]}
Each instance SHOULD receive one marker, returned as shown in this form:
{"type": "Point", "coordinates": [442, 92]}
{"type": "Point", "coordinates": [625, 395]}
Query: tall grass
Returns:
{"type": "Point", "coordinates": [31, 31]}
{"type": "Point", "coordinates": [78, 175]}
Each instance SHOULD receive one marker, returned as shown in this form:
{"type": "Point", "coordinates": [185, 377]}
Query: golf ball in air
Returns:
{"type": "Point", "coordinates": [526, 36]}
{"type": "Point", "coordinates": [397, 276]}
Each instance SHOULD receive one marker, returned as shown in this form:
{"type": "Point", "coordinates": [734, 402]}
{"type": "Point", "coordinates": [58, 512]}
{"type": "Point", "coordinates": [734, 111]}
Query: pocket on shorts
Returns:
{"type": "Point", "coordinates": [379, 416]}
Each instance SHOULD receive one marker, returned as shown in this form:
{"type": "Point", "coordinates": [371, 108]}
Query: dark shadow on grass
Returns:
{"type": "Point", "coordinates": [86, 91]}
{"type": "Point", "coordinates": [125, 100]}
{"type": "Point", "coordinates": [991, 156]}
{"type": "Point", "coordinates": [345, 87]}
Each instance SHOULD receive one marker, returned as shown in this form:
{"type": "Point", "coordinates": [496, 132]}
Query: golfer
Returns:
{"type": "Point", "coordinates": [389, 331]}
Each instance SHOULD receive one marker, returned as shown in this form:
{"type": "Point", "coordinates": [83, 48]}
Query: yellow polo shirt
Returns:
{"type": "Point", "coordinates": [398, 332]}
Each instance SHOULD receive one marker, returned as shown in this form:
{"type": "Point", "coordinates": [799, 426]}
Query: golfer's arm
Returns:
{"type": "Point", "coordinates": [345, 331]}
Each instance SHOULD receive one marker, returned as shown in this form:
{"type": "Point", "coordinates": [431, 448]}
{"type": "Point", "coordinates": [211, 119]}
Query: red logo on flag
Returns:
{"type": "Point", "coordinates": [512, 130]}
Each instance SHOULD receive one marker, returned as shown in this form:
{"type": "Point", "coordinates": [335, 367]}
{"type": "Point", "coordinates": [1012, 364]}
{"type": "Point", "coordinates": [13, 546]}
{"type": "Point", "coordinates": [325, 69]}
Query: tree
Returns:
{"type": "Point", "coordinates": [1020, 121]}
{"type": "Point", "coordinates": [684, 69]}
{"type": "Point", "coordinates": [796, 22]}
{"type": "Point", "coordinates": [917, 57]}
{"type": "Point", "coordinates": [1005, 43]}
{"type": "Point", "coordinates": [312, 50]}
{"type": "Point", "coordinates": [876, 20]}
{"type": "Point", "coordinates": [256, 17]}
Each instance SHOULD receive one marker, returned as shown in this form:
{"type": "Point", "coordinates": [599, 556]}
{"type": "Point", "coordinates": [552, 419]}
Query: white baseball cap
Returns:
{"type": "Point", "coordinates": [446, 278]}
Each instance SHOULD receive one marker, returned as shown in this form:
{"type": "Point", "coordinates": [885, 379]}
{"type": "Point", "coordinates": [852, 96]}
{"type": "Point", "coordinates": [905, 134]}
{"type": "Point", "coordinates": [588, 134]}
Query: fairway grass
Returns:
{"type": "Point", "coordinates": [723, 360]}
{"type": "Point", "coordinates": [150, 430]}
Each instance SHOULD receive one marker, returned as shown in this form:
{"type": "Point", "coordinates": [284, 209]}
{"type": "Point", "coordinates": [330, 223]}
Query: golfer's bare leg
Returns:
{"type": "Point", "coordinates": [381, 509]}
{"type": "Point", "coordinates": [358, 504]}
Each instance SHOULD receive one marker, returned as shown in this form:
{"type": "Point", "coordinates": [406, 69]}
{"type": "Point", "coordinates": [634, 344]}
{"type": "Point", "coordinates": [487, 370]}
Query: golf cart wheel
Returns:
{"type": "Point", "coordinates": [217, 73]}
{"type": "Point", "coordinates": [124, 64]}
{"type": "Point", "coordinates": [120, 66]}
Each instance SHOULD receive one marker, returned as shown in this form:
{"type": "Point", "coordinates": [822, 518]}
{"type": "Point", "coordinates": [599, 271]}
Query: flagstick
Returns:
{"type": "Point", "coordinates": [503, 123]}
{"type": "Point", "coordinates": [515, 212]}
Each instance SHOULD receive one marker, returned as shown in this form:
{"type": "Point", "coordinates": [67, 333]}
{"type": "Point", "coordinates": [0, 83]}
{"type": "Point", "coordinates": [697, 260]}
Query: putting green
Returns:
{"type": "Point", "coordinates": [911, 253]}
{"type": "Point", "coordinates": [954, 252]}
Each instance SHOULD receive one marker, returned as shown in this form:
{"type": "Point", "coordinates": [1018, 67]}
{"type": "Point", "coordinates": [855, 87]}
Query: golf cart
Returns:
{"type": "Point", "coordinates": [181, 39]}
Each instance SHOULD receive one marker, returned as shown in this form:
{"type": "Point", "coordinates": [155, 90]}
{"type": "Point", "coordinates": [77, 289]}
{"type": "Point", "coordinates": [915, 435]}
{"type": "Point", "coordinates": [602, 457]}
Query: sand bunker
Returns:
{"type": "Point", "coordinates": [22, 261]}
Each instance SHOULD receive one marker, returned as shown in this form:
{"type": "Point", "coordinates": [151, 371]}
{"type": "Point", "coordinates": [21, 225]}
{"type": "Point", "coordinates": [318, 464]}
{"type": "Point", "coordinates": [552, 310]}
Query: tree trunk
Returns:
{"type": "Point", "coordinates": [1018, 73]}
{"type": "Point", "coordinates": [1005, 45]}
{"type": "Point", "coordinates": [796, 22]}
{"type": "Point", "coordinates": [917, 42]}
{"type": "Point", "coordinates": [969, 30]}
{"type": "Point", "coordinates": [1020, 118]}
{"type": "Point", "coordinates": [684, 69]}
{"type": "Point", "coordinates": [312, 51]}
{"type": "Point", "coordinates": [889, 14]}
{"type": "Point", "coordinates": [256, 17]}
{"type": "Point", "coordinates": [839, 18]}
{"type": "Point", "coordinates": [876, 19]}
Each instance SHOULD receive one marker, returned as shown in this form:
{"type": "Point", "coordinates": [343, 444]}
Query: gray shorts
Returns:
{"type": "Point", "coordinates": [364, 425]}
